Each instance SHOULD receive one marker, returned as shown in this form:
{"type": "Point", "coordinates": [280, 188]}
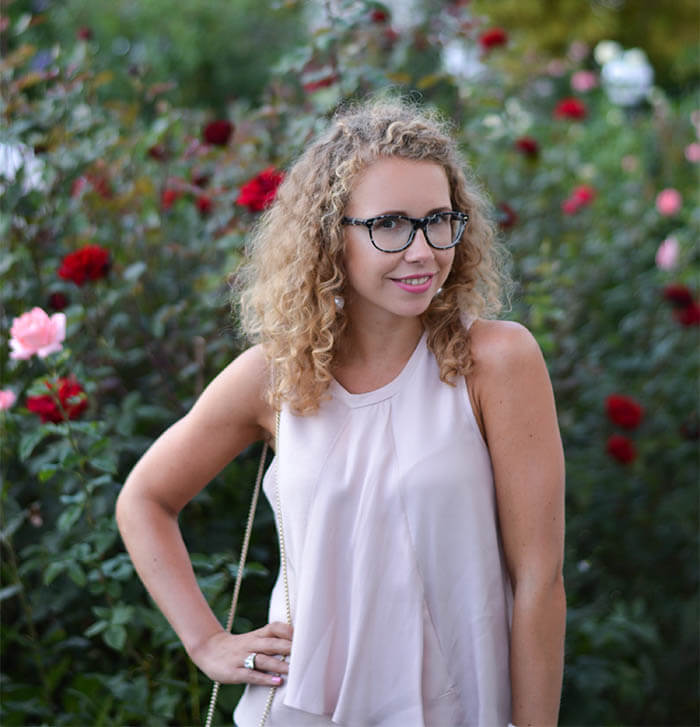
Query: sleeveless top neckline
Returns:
{"type": "Point", "coordinates": [337, 390]}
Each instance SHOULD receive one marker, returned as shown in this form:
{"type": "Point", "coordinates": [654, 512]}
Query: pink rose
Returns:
{"type": "Point", "coordinates": [7, 398]}
{"type": "Point", "coordinates": [583, 81]}
{"type": "Point", "coordinates": [692, 152]}
{"type": "Point", "coordinates": [35, 333]}
{"type": "Point", "coordinates": [582, 196]}
{"type": "Point", "coordinates": [667, 254]}
{"type": "Point", "coordinates": [669, 201]}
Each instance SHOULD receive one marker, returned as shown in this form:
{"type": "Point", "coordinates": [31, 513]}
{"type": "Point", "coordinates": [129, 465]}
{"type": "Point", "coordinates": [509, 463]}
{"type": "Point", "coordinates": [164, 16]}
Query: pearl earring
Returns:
{"type": "Point", "coordinates": [339, 302]}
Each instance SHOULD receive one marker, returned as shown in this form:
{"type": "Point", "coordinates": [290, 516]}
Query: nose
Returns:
{"type": "Point", "coordinates": [419, 250]}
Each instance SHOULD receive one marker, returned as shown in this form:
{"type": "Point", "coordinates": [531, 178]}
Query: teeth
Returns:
{"type": "Point", "coordinates": [416, 281]}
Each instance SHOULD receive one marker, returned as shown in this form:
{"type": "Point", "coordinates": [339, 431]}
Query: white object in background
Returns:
{"type": "Point", "coordinates": [14, 156]}
{"type": "Point", "coordinates": [627, 77]}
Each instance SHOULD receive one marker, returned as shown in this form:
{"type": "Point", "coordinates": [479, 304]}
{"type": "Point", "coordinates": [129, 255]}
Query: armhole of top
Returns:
{"type": "Point", "coordinates": [472, 412]}
{"type": "Point", "coordinates": [467, 320]}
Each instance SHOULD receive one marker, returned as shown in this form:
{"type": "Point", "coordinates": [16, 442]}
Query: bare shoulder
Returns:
{"type": "Point", "coordinates": [498, 346]}
{"type": "Point", "coordinates": [236, 397]}
{"type": "Point", "coordinates": [509, 372]}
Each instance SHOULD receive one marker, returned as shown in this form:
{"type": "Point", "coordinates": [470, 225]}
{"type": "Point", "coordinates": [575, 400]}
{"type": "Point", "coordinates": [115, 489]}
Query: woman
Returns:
{"type": "Point", "coordinates": [419, 475]}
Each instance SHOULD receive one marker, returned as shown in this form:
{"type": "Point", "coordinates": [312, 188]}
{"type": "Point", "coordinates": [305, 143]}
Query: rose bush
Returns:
{"type": "Point", "coordinates": [163, 210]}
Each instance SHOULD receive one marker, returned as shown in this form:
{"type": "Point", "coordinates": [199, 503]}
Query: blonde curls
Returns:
{"type": "Point", "coordinates": [294, 268]}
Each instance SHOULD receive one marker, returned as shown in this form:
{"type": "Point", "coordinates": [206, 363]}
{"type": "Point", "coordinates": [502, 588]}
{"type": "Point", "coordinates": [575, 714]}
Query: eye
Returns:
{"type": "Point", "coordinates": [441, 218]}
{"type": "Point", "coordinates": [387, 223]}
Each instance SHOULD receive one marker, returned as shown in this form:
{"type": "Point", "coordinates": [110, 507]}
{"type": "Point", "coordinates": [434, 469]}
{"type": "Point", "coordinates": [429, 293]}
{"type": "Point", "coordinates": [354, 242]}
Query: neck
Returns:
{"type": "Point", "coordinates": [374, 344]}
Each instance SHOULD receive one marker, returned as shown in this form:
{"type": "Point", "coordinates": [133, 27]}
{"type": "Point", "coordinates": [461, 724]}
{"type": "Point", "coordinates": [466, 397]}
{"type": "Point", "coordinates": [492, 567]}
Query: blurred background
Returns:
{"type": "Point", "coordinates": [140, 142]}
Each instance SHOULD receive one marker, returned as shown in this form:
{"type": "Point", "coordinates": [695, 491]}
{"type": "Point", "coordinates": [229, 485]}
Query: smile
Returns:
{"type": "Point", "coordinates": [414, 283]}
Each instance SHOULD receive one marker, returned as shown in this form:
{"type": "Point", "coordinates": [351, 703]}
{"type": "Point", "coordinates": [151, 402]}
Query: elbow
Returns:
{"type": "Point", "coordinates": [121, 509]}
{"type": "Point", "coordinates": [538, 584]}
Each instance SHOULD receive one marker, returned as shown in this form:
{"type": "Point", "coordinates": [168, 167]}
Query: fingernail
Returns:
{"type": "Point", "coordinates": [276, 680]}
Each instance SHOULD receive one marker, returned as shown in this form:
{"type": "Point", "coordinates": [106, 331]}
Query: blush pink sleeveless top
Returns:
{"type": "Point", "coordinates": [400, 600]}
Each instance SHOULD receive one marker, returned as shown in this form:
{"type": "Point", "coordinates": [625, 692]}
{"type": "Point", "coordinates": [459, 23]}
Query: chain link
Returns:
{"type": "Point", "coordinates": [241, 564]}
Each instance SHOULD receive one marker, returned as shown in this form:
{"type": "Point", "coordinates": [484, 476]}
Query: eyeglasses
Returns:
{"type": "Point", "coordinates": [394, 233]}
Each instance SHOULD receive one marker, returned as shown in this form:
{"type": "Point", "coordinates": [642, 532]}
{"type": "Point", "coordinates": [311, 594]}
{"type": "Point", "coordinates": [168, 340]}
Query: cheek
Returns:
{"type": "Point", "coordinates": [447, 259]}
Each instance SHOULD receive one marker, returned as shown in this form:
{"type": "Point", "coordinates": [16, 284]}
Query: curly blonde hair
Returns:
{"type": "Point", "coordinates": [294, 269]}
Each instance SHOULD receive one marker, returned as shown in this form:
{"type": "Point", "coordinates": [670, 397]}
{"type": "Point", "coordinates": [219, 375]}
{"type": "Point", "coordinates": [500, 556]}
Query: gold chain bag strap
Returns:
{"type": "Point", "coordinates": [241, 566]}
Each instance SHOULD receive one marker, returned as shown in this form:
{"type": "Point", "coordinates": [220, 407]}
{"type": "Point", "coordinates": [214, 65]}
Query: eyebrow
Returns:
{"type": "Point", "coordinates": [403, 213]}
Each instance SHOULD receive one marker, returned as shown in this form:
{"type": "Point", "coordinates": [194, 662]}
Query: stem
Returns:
{"type": "Point", "coordinates": [29, 618]}
{"type": "Point", "coordinates": [194, 692]}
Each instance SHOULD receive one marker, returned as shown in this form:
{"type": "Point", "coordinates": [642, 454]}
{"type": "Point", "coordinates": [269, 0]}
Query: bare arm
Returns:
{"type": "Point", "coordinates": [517, 406]}
{"type": "Point", "coordinates": [229, 415]}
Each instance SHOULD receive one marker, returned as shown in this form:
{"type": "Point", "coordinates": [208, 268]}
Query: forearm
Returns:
{"type": "Point", "coordinates": [537, 654]}
{"type": "Point", "coordinates": [158, 552]}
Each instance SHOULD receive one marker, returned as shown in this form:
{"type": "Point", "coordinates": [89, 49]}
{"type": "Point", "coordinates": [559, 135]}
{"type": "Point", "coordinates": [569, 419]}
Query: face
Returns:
{"type": "Point", "coordinates": [383, 284]}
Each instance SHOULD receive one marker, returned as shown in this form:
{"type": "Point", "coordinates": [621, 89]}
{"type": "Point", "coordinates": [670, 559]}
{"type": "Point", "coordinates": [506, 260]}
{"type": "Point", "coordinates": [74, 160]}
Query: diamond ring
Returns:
{"type": "Point", "coordinates": [249, 662]}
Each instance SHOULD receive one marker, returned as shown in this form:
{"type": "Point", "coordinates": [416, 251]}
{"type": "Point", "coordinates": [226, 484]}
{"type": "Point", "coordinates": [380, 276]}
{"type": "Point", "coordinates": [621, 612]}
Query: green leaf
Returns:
{"type": "Point", "coordinates": [70, 499]}
{"type": "Point", "coordinates": [97, 628]}
{"type": "Point", "coordinates": [115, 636]}
{"type": "Point", "coordinates": [29, 441]}
{"type": "Point", "coordinates": [134, 271]}
{"type": "Point", "coordinates": [119, 567]}
{"type": "Point", "coordinates": [54, 569]}
{"type": "Point", "coordinates": [11, 527]}
{"type": "Point", "coordinates": [106, 463]}
{"type": "Point", "coordinates": [10, 591]}
{"type": "Point", "coordinates": [122, 614]}
{"type": "Point", "coordinates": [46, 474]}
{"type": "Point", "coordinates": [69, 517]}
{"type": "Point", "coordinates": [76, 574]}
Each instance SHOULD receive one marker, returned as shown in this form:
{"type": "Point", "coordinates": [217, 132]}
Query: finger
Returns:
{"type": "Point", "coordinates": [279, 629]}
{"type": "Point", "coordinates": [273, 646]}
{"type": "Point", "coordinates": [263, 662]}
{"type": "Point", "coordinates": [253, 676]}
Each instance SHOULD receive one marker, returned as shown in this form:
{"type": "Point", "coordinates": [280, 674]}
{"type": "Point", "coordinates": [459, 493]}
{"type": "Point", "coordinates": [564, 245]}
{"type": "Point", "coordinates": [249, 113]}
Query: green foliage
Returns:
{"type": "Point", "coordinates": [208, 53]}
{"type": "Point", "coordinates": [668, 32]}
{"type": "Point", "coordinates": [81, 643]}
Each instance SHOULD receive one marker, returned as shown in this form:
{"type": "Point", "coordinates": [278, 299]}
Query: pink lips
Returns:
{"type": "Point", "coordinates": [414, 283]}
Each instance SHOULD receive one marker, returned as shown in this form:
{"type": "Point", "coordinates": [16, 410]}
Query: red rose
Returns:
{"type": "Point", "coordinates": [582, 196]}
{"type": "Point", "coordinates": [58, 301]}
{"type": "Point", "coordinates": [101, 185]}
{"type": "Point", "coordinates": [584, 193]}
{"type": "Point", "coordinates": [84, 33]}
{"type": "Point", "coordinates": [169, 196]}
{"type": "Point", "coordinates": [379, 16]}
{"type": "Point", "coordinates": [570, 108]}
{"type": "Point", "coordinates": [72, 398]}
{"type": "Point", "coordinates": [527, 146]}
{"type": "Point", "coordinates": [158, 152]}
{"type": "Point", "coordinates": [204, 204]}
{"type": "Point", "coordinates": [324, 82]}
{"type": "Point", "coordinates": [199, 178]}
{"type": "Point", "coordinates": [624, 411]}
{"type": "Point", "coordinates": [678, 295]}
{"type": "Point", "coordinates": [99, 182]}
{"type": "Point", "coordinates": [492, 38]}
{"type": "Point", "coordinates": [570, 206]}
{"type": "Point", "coordinates": [89, 263]}
{"type": "Point", "coordinates": [621, 448]}
{"type": "Point", "coordinates": [688, 316]}
{"type": "Point", "coordinates": [218, 132]}
{"type": "Point", "coordinates": [259, 192]}
{"type": "Point", "coordinates": [390, 36]}
{"type": "Point", "coordinates": [78, 186]}
{"type": "Point", "coordinates": [506, 216]}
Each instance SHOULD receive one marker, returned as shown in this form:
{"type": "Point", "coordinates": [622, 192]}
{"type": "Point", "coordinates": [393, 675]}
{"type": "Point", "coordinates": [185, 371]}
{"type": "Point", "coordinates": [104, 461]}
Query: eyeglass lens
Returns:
{"type": "Point", "coordinates": [393, 232]}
